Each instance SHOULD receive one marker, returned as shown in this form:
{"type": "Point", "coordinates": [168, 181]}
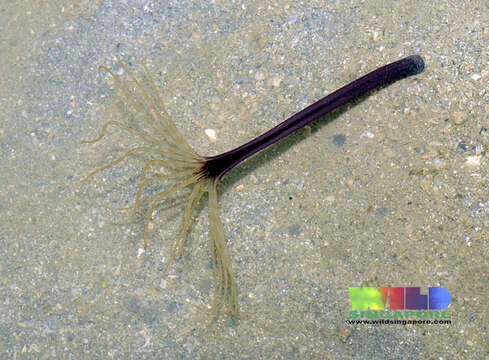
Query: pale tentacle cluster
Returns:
{"type": "Point", "coordinates": [168, 148]}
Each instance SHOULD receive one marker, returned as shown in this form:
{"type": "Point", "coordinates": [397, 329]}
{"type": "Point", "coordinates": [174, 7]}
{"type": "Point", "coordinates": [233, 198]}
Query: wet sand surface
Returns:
{"type": "Point", "coordinates": [391, 190]}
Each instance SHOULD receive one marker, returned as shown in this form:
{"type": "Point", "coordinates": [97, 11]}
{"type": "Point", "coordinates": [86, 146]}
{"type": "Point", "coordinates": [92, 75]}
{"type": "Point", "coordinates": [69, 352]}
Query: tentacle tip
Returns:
{"type": "Point", "coordinates": [100, 68]}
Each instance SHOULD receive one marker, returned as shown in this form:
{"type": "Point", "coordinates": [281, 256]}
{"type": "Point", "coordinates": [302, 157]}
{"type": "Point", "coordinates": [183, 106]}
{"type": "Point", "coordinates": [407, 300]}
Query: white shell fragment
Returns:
{"type": "Point", "coordinates": [473, 161]}
{"type": "Point", "coordinates": [475, 77]}
{"type": "Point", "coordinates": [211, 134]}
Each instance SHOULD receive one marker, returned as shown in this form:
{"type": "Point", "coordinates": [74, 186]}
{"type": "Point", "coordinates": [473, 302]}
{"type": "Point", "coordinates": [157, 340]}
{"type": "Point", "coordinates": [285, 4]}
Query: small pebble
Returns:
{"type": "Point", "coordinates": [368, 134]}
{"type": "Point", "coordinates": [473, 161]}
{"type": "Point", "coordinates": [458, 117]}
{"type": "Point", "coordinates": [276, 81]}
{"type": "Point", "coordinates": [211, 134]}
{"type": "Point", "coordinates": [292, 19]}
{"type": "Point", "coordinates": [343, 333]}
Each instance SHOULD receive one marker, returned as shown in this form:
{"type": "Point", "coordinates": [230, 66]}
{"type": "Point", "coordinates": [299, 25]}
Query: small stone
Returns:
{"type": "Point", "coordinates": [473, 161]}
{"type": "Point", "coordinates": [211, 134]}
{"type": "Point", "coordinates": [368, 134]}
{"type": "Point", "coordinates": [457, 113]}
{"type": "Point", "coordinates": [458, 117]}
{"type": "Point", "coordinates": [292, 19]}
{"type": "Point", "coordinates": [276, 81]}
{"type": "Point", "coordinates": [343, 333]}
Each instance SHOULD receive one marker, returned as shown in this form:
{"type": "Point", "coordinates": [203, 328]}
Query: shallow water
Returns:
{"type": "Point", "coordinates": [401, 200]}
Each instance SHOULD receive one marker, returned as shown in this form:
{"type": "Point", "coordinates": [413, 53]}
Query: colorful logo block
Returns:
{"type": "Point", "coordinates": [399, 298]}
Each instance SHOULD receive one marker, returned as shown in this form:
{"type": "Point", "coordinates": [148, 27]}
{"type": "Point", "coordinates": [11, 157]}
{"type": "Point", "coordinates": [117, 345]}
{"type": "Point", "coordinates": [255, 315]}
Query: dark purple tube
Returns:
{"type": "Point", "coordinates": [217, 166]}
